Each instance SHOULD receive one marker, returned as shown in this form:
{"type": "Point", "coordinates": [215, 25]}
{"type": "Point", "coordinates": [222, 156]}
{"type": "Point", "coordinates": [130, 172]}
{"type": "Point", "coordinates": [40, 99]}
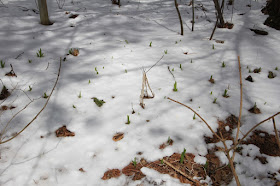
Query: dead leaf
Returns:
{"type": "Point", "coordinates": [64, 132]}
{"type": "Point", "coordinates": [118, 136]}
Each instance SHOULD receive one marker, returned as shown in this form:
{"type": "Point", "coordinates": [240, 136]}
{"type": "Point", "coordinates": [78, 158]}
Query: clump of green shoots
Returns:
{"type": "Point", "coordinates": [40, 53]}
{"type": "Point", "coordinates": [45, 95]}
{"type": "Point", "coordinates": [134, 162]}
{"type": "Point", "coordinates": [165, 51]}
{"type": "Point", "coordinates": [225, 94]}
{"type": "Point", "coordinates": [223, 64]}
{"type": "Point", "coordinates": [151, 44]}
{"type": "Point", "coordinates": [182, 156]}
{"type": "Point", "coordinates": [2, 64]}
{"type": "Point", "coordinates": [96, 70]}
{"type": "Point", "coordinates": [128, 121]}
{"type": "Point", "coordinates": [80, 95]}
{"type": "Point", "coordinates": [175, 87]}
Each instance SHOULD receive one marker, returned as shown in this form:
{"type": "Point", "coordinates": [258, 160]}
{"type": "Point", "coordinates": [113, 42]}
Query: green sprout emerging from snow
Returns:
{"type": "Point", "coordinates": [128, 121]}
{"type": "Point", "coordinates": [223, 64]}
{"type": "Point", "coordinates": [193, 116]}
{"type": "Point", "coordinates": [80, 95]}
{"type": "Point", "coordinates": [213, 47]}
{"type": "Point", "coordinates": [45, 95]}
{"type": "Point", "coordinates": [2, 64]}
{"type": "Point", "coordinates": [151, 44]}
{"type": "Point", "coordinates": [175, 87]}
{"type": "Point", "coordinates": [98, 102]}
{"type": "Point", "coordinates": [165, 51]}
{"type": "Point", "coordinates": [96, 70]}
{"type": "Point", "coordinates": [30, 88]}
{"type": "Point", "coordinates": [40, 53]}
{"type": "Point", "coordinates": [215, 100]}
{"type": "Point", "coordinates": [225, 94]}
{"type": "Point", "coordinates": [181, 67]}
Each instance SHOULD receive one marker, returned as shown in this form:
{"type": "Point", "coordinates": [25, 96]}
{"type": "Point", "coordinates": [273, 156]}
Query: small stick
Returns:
{"type": "Point", "coordinates": [1, 142]}
{"type": "Point", "coordinates": [181, 172]}
{"type": "Point", "coordinates": [198, 116]}
{"type": "Point", "coordinates": [276, 133]}
{"type": "Point", "coordinates": [171, 73]}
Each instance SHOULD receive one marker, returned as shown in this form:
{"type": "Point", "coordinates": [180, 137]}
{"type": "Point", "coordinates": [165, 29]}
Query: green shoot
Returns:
{"type": "Point", "coordinates": [74, 106]}
{"type": "Point", "coordinates": [125, 71]}
{"type": "Point", "coordinates": [45, 95]}
{"type": "Point", "coordinates": [30, 88]}
{"type": "Point", "coordinates": [213, 47]}
{"type": "Point", "coordinates": [40, 53]}
{"type": "Point", "coordinates": [134, 162]}
{"type": "Point", "coordinates": [183, 156]}
{"type": "Point", "coordinates": [126, 41]}
{"type": "Point", "coordinates": [193, 116]}
{"type": "Point", "coordinates": [255, 105]}
{"type": "Point", "coordinates": [250, 71]}
{"type": "Point", "coordinates": [70, 51]}
{"type": "Point", "coordinates": [175, 87]}
{"type": "Point", "coordinates": [181, 67]}
{"type": "Point", "coordinates": [176, 42]}
{"type": "Point", "coordinates": [2, 64]}
{"type": "Point", "coordinates": [172, 69]}
{"type": "Point", "coordinates": [89, 81]}
{"type": "Point", "coordinates": [211, 93]}
{"type": "Point", "coordinates": [128, 121]}
{"type": "Point", "coordinates": [165, 51]}
{"type": "Point", "coordinates": [223, 64]}
{"type": "Point", "coordinates": [215, 100]}
{"type": "Point", "coordinates": [80, 95]}
{"type": "Point", "coordinates": [29, 61]}
{"type": "Point", "coordinates": [161, 161]}
{"type": "Point", "coordinates": [98, 102]}
{"type": "Point", "coordinates": [225, 94]}
{"type": "Point", "coordinates": [276, 68]}
{"type": "Point", "coordinates": [151, 44]}
{"type": "Point", "coordinates": [169, 139]}
{"type": "Point", "coordinates": [206, 165]}
{"type": "Point", "coordinates": [96, 70]}
{"type": "Point", "coordinates": [211, 80]}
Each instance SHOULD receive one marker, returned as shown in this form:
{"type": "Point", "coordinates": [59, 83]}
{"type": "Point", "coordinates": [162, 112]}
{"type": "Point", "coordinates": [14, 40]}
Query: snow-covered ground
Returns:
{"type": "Point", "coordinates": [119, 43]}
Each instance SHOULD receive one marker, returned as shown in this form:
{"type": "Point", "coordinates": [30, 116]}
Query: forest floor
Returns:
{"type": "Point", "coordinates": [93, 130]}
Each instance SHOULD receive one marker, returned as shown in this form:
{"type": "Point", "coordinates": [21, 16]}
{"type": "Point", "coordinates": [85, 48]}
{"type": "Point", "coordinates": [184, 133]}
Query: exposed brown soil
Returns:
{"type": "Point", "coordinates": [220, 174]}
{"type": "Point", "coordinates": [249, 78]}
{"type": "Point", "coordinates": [73, 16]}
{"type": "Point", "coordinates": [4, 93]}
{"type": "Point", "coordinates": [266, 142]}
{"type": "Point", "coordinates": [231, 122]}
{"type": "Point", "coordinates": [112, 173]}
{"type": "Point", "coordinates": [64, 132]}
{"type": "Point", "coordinates": [131, 170]}
{"type": "Point", "coordinates": [255, 110]}
{"type": "Point", "coordinates": [168, 143]}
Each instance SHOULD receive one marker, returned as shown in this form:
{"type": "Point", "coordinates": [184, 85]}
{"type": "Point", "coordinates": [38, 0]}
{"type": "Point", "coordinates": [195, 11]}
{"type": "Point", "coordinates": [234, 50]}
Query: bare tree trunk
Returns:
{"type": "Point", "coordinates": [192, 15]}
{"type": "Point", "coordinates": [220, 14]}
{"type": "Point", "coordinates": [44, 17]}
{"type": "Point", "coordinates": [180, 18]}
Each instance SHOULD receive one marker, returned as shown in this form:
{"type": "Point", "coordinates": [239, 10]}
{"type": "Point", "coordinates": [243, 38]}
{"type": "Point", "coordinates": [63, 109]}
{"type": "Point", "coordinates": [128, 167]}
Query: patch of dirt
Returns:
{"type": "Point", "coordinates": [255, 110]}
{"type": "Point", "coordinates": [5, 107]}
{"type": "Point", "coordinates": [267, 143]}
{"type": "Point", "coordinates": [225, 127]}
{"type": "Point", "coordinates": [82, 170]}
{"type": "Point", "coordinates": [64, 132]}
{"type": "Point", "coordinates": [112, 173]}
{"type": "Point", "coordinates": [4, 93]}
{"type": "Point", "coordinates": [131, 170]}
{"type": "Point", "coordinates": [262, 159]}
{"type": "Point", "coordinates": [257, 70]}
{"type": "Point", "coordinates": [259, 32]}
{"type": "Point", "coordinates": [168, 143]}
{"type": "Point", "coordinates": [271, 75]}
{"type": "Point", "coordinates": [220, 174]}
{"type": "Point", "coordinates": [249, 78]}
{"type": "Point", "coordinates": [73, 16]}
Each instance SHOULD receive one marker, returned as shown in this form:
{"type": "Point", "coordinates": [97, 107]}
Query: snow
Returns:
{"type": "Point", "coordinates": [115, 40]}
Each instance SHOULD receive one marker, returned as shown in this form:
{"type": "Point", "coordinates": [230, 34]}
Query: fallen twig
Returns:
{"type": "Point", "coordinates": [1, 142]}
{"type": "Point", "coordinates": [276, 133]}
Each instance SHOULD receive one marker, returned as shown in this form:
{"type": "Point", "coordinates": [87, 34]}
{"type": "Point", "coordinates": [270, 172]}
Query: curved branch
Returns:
{"type": "Point", "coordinates": [1, 142]}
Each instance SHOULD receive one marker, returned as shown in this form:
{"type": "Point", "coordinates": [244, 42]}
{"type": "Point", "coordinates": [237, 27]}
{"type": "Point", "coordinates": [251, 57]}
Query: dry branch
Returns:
{"type": "Point", "coordinates": [276, 133]}
{"type": "Point", "coordinates": [1, 142]}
